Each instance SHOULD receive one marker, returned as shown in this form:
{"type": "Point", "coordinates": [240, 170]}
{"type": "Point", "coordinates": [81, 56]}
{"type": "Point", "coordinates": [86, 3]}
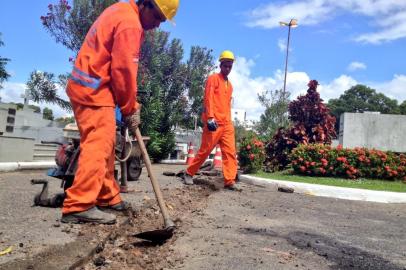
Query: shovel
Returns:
{"type": "Point", "coordinates": [156, 236]}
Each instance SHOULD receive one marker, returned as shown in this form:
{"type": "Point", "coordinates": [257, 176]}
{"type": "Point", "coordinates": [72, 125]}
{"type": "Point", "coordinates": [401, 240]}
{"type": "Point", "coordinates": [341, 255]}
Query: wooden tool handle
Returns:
{"type": "Point", "coordinates": [154, 182]}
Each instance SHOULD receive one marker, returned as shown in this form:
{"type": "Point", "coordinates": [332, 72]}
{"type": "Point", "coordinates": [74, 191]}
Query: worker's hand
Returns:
{"type": "Point", "coordinates": [133, 121]}
{"type": "Point", "coordinates": [212, 124]}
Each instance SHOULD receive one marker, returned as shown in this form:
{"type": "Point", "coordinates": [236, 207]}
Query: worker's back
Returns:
{"type": "Point", "coordinates": [107, 46]}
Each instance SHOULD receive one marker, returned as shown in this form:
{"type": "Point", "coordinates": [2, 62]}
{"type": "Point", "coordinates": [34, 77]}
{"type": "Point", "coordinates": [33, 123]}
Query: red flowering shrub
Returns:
{"type": "Point", "coordinates": [323, 160]}
{"type": "Point", "coordinates": [312, 123]}
{"type": "Point", "coordinates": [251, 155]}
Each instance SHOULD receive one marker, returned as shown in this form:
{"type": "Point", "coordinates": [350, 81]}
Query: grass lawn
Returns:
{"type": "Point", "coordinates": [371, 184]}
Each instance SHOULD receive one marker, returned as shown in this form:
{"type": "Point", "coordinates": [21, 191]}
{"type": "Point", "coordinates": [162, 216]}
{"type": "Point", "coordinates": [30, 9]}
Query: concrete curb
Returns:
{"type": "Point", "coordinates": [329, 191]}
{"type": "Point", "coordinates": [15, 166]}
{"type": "Point", "coordinates": [173, 161]}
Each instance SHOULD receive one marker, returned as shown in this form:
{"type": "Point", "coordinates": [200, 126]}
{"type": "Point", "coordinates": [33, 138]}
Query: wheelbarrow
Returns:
{"type": "Point", "coordinates": [129, 156]}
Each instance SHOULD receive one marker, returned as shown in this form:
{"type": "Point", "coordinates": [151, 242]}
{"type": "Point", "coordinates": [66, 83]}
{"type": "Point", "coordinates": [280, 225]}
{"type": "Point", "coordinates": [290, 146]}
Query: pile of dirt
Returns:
{"type": "Point", "coordinates": [119, 249]}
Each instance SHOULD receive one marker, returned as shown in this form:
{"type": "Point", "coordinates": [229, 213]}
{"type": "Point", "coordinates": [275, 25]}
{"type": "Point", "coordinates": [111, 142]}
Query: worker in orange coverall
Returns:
{"type": "Point", "coordinates": [218, 128]}
{"type": "Point", "coordinates": [105, 75]}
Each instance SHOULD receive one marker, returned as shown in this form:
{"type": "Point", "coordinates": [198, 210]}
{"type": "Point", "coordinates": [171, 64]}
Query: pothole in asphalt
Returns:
{"type": "Point", "coordinates": [114, 246]}
{"type": "Point", "coordinates": [121, 250]}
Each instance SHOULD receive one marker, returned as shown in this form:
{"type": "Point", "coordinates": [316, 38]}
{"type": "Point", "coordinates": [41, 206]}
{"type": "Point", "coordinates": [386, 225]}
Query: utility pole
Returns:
{"type": "Point", "coordinates": [291, 24]}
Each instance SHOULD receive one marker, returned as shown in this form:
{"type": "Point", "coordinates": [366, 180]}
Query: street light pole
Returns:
{"type": "Point", "coordinates": [291, 24]}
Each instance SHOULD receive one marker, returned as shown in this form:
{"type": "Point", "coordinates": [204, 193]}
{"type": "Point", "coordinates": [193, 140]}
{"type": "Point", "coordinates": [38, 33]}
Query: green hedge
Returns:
{"type": "Point", "coordinates": [324, 160]}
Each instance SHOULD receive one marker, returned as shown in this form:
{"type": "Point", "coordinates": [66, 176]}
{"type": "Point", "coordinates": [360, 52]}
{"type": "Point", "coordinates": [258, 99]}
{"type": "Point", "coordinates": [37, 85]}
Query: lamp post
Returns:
{"type": "Point", "coordinates": [291, 24]}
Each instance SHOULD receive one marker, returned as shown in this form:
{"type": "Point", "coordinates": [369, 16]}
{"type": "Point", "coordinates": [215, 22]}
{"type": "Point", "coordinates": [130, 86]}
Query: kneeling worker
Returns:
{"type": "Point", "coordinates": [218, 127]}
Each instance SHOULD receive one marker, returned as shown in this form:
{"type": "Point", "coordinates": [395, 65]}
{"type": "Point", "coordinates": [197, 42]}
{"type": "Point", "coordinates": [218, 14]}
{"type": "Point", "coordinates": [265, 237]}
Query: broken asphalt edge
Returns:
{"type": "Point", "coordinates": [328, 191]}
{"type": "Point", "coordinates": [15, 166]}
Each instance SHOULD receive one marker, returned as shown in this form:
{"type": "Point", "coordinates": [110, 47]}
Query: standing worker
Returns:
{"type": "Point", "coordinates": [105, 76]}
{"type": "Point", "coordinates": [218, 128]}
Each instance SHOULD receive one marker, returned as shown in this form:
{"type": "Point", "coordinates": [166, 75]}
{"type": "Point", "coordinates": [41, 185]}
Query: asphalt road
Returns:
{"type": "Point", "coordinates": [32, 230]}
{"type": "Point", "coordinates": [263, 229]}
{"type": "Point", "coordinates": [255, 229]}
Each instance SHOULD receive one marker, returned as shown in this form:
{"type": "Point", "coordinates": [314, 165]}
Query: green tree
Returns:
{"type": "Point", "coordinates": [43, 87]}
{"type": "Point", "coordinates": [361, 98]}
{"type": "Point", "coordinates": [68, 24]}
{"type": "Point", "coordinates": [20, 106]}
{"type": "Point", "coordinates": [276, 113]}
{"type": "Point", "coordinates": [3, 62]}
{"type": "Point", "coordinates": [163, 79]}
{"type": "Point", "coordinates": [164, 82]}
{"type": "Point", "coordinates": [402, 108]}
{"type": "Point", "coordinates": [199, 66]}
{"type": "Point", "coordinates": [240, 131]}
{"type": "Point", "coordinates": [65, 120]}
{"type": "Point", "coordinates": [35, 108]}
{"type": "Point", "coordinates": [48, 114]}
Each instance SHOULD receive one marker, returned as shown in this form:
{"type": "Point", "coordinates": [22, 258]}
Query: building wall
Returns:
{"type": "Point", "coordinates": [380, 131]}
{"type": "Point", "coordinates": [28, 124]}
{"type": "Point", "coordinates": [15, 149]}
{"type": "Point", "coordinates": [238, 114]}
{"type": "Point", "coordinates": [3, 120]}
{"type": "Point", "coordinates": [7, 118]}
{"type": "Point", "coordinates": [39, 133]}
{"type": "Point", "coordinates": [27, 117]}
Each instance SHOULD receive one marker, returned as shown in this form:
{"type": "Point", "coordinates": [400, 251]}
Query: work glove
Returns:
{"type": "Point", "coordinates": [133, 121]}
{"type": "Point", "coordinates": [212, 124]}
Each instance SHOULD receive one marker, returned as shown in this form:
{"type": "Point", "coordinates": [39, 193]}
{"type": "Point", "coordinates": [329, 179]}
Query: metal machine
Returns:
{"type": "Point", "coordinates": [127, 151]}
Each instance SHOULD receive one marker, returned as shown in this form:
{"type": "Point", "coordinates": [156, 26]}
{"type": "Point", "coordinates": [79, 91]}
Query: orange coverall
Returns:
{"type": "Point", "coordinates": [104, 74]}
{"type": "Point", "coordinates": [217, 105]}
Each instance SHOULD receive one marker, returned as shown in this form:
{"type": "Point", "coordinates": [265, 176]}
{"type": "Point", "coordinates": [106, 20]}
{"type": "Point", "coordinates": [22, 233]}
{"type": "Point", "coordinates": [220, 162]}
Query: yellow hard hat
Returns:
{"type": "Point", "coordinates": [168, 7]}
{"type": "Point", "coordinates": [226, 55]}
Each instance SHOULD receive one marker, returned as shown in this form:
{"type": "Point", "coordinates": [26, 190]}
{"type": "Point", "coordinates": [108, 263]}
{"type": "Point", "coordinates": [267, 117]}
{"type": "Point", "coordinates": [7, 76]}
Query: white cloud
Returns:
{"type": "Point", "coordinates": [356, 66]}
{"type": "Point", "coordinates": [247, 87]}
{"type": "Point", "coordinates": [388, 16]}
{"type": "Point", "coordinates": [307, 12]}
{"type": "Point", "coordinates": [282, 45]}
{"type": "Point", "coordinates": [396, 88]}
{"type": "Point", "coordinates": [393, 28]}
{"type": "Point", "coordinates": [336, 87]}
{"type": "Point", "coordinates": [12, 92]}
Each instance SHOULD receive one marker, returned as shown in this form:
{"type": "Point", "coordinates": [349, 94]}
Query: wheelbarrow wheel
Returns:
{"type": "Point", "coordinates": [134, 169]}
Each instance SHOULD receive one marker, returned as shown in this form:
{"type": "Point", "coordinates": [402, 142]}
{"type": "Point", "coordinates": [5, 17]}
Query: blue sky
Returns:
{"type": "Point", "coordinates": [339, 43]}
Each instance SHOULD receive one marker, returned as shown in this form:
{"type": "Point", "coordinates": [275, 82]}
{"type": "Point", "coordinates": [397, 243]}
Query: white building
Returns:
{"type": "Point", "coordinates": [239, 115]}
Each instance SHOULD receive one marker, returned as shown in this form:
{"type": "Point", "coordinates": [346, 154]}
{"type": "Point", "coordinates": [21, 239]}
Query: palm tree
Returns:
{"type": "Point", "coordinates": [43, 87]}
{"type": "Point", "coordinates": [3, 61]}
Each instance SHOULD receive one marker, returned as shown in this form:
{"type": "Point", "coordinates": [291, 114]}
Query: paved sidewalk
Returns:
{"type": "Point", "coordinates": [329, 191]}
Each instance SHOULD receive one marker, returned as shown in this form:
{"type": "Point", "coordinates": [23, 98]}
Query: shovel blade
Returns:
{"type": "Point", "coordinates": [156, 236]}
